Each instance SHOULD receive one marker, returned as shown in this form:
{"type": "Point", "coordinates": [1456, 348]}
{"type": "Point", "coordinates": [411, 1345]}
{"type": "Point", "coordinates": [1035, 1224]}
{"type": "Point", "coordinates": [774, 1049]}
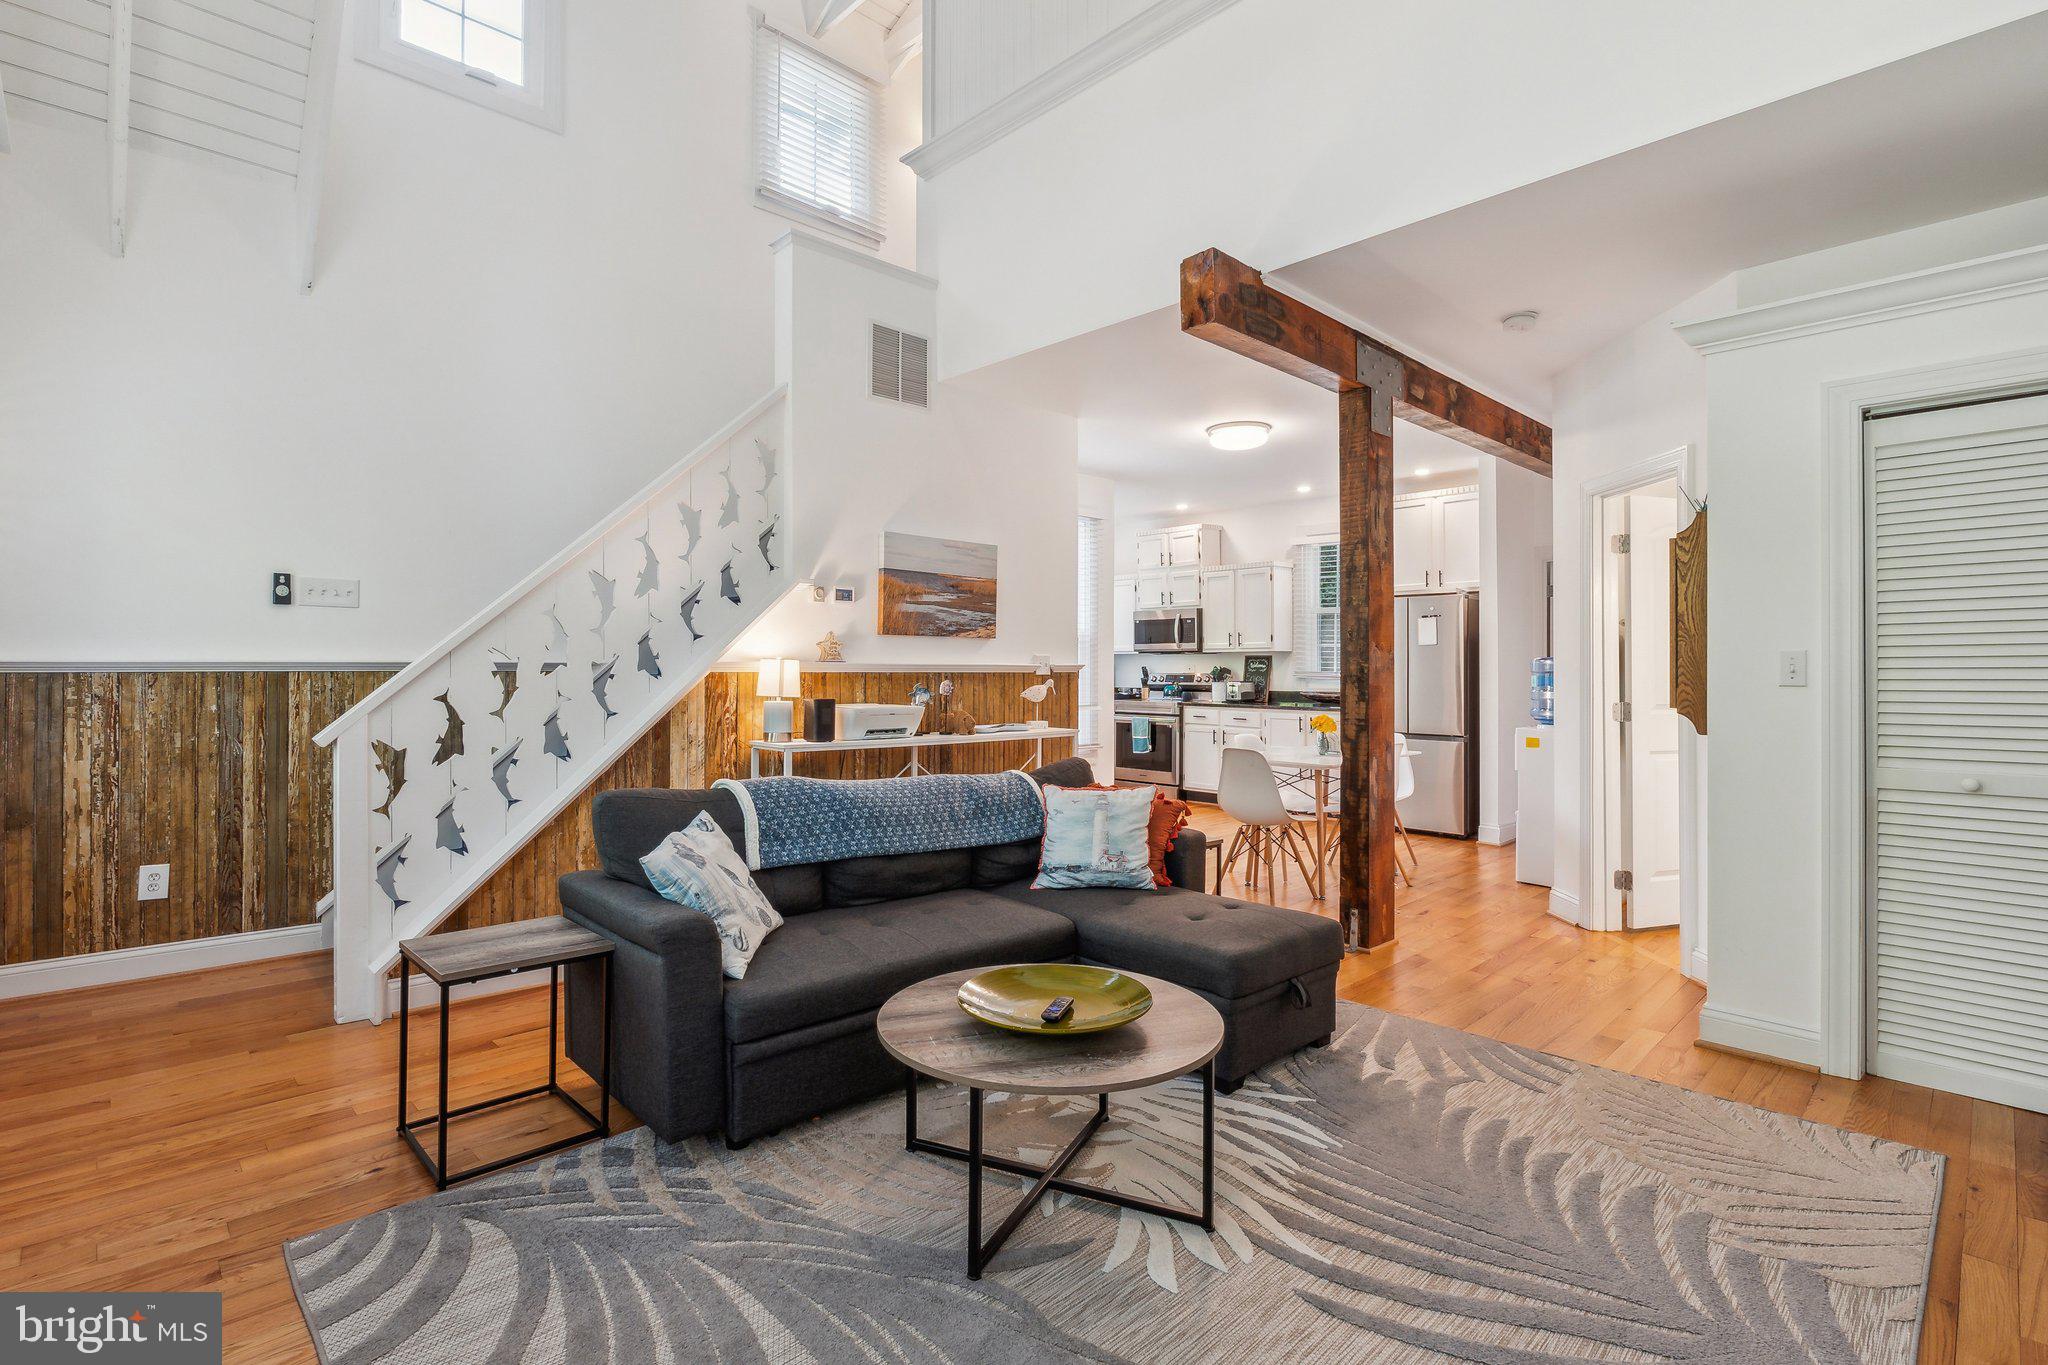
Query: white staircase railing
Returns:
{"type": "Point", "coordinates": [448, 769]}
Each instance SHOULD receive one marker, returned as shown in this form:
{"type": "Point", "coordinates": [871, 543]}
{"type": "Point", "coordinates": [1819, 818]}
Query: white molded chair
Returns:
{"type": "Point", "coordinates": [1404, 787]}
{"type": "Point", "coordinates": [1250, 794]}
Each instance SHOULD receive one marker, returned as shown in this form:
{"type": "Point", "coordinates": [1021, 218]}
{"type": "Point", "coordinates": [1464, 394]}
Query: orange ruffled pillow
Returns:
{"type": "Point", "coordinates": [1169, 818]}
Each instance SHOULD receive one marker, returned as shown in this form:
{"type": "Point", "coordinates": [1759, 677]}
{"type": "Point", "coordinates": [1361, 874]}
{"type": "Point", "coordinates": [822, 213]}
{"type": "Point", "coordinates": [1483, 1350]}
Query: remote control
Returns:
{"type": "Point", "coordinates": [1058, 1010]}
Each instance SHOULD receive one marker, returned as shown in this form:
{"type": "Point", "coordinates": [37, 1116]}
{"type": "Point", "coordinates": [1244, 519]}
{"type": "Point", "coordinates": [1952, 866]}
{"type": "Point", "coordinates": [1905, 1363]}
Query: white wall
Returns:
{"type": "Point", "coordinates": [1514, 547]}
{"type": "Point", "coordinates": [1248, 133]}
{"type": "Point", "coordinates": [1771, 586]}
{"type": "Point", "coordinates": [1640, 397]}
{"type": "Point", "coordinates": [971, 467]}
{"type": "Point", "coordinates": [511, 331]}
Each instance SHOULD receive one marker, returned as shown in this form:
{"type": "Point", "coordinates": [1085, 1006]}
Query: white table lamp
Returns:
{"type": "Point", "coordinates": [778, 681]}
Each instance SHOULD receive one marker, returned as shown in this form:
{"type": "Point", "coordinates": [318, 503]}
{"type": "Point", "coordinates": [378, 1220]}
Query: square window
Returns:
{"type": "Point", "coordinates": [504, 54]}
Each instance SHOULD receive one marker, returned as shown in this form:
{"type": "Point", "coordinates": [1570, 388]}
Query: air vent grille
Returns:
{"type": "Point", "coordinates": [899, 367]}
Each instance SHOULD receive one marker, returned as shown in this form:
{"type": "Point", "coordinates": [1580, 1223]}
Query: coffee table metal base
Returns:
{"type": "Point", "coordinates": [979, 1253]}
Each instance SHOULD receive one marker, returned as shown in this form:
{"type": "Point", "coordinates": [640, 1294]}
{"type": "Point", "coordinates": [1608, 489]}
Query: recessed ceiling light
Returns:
{"type": "Point", "coordinates": [1180, 507]}
{"type": "Point", "coordinates": [1301, 488]}
{"type": "Point", "coordinates": [1422, 471]}
{"type": "Point", "coordinates": [1239, 435]}
{"type": "Point", "coordinates": [1524, 321]}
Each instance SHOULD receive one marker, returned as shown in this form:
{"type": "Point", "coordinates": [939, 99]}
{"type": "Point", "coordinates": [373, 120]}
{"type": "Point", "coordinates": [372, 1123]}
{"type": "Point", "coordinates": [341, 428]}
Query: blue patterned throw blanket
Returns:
{"type": "Point", "coordinates": [792, 820]}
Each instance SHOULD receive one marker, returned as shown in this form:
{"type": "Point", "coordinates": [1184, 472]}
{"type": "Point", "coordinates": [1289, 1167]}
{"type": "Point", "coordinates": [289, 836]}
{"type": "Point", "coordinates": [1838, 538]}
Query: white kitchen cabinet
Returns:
{"type": "Point", "coordinates": [1125, 598]}
{"type": "Point", "coordinates": [1201, 756]}
{"type": "Point", "coordinates": [1180, 547]}
{"type": "Point", "coordinates": [1151, 589]}
{"type": "Point", "coordinates": [1436, 540]}
{"type": "Point", "coordinates": [1183, 587]}
{"type": "Point", "coordinates": [1219, 610]}
{"type": "Point", "coordinates": [1458, 540]}
{"type": "Point", "coordinates": [1286, 730]}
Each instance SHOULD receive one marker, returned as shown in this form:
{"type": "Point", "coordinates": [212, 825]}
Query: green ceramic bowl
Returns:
{"type": "Point", "coordinates": [1014, 998]}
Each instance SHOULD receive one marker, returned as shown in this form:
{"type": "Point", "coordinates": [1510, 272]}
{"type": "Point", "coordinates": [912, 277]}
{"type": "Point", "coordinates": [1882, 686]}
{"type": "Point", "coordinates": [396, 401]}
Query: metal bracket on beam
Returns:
{"type": "Point", "coordinates": [1384, 374]}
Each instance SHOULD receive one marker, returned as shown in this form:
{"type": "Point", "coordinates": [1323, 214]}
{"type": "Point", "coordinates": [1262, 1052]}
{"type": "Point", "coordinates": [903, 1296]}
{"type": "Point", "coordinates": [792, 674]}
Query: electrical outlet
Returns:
{"type": "Point", "coordinates": [1792, 668]}
{"type": "Point", "coordinates": [330, 592]}
{"type": "Point", "coordinates": [153, 882]}
{"type": "Point", "coordinates": [280, 590]}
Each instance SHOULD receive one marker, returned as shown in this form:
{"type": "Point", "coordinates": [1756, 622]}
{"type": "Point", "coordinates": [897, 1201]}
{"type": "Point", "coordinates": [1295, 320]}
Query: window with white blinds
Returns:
{"type": "Point", "coordinates": [817, 132]}
{"type": "Point", "coordinates": [1088, 612]}
{"type": "Point", "coordinates": [1315, 615]}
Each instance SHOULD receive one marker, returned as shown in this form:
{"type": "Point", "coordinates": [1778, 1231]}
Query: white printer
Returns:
{"type": "Point", "coordinates": [878, 720]}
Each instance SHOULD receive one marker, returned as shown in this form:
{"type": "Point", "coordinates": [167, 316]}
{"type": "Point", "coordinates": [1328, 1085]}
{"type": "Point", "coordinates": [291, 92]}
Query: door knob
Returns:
{"type": "Point", "coordinates": [1971, 784]}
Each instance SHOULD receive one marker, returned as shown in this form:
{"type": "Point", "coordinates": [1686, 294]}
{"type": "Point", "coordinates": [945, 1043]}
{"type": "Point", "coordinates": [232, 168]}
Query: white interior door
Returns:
{"type": "Point", "coordinates": [1652, 750]}
{"type": "Point", "coordinates": [1956, 595]}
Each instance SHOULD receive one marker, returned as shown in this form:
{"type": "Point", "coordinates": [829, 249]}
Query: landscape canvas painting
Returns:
{"type": "Point", "coordinates": [931, 586]}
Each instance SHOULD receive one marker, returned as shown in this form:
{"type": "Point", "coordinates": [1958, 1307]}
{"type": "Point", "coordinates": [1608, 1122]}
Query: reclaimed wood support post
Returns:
{"type": "Point", "coordinates": [1365, 568]}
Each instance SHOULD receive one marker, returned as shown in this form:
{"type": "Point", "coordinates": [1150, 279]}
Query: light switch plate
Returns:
{"type": "Point", "coordinates": [153, 882]}
{"type": "Point", "coordinates": [1792, 668]}
{"type": "Point", "coordinates": [330, 592]}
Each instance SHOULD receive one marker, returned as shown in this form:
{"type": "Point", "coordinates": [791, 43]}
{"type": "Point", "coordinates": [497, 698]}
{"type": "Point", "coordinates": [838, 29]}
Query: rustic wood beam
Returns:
{"type": "Point", "coordinates": [1226, 301]}
{"type": "Point", "coordinates": [1365, 623]}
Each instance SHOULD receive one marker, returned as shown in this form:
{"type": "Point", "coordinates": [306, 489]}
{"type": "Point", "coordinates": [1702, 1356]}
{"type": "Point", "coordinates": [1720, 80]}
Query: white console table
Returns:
{"type": "Point", "coordinates": [790, 748]}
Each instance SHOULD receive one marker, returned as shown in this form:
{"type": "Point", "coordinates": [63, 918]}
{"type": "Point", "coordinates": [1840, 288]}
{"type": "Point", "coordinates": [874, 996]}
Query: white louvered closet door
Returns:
{"type": "Point", "coordinates": [1957, 557]}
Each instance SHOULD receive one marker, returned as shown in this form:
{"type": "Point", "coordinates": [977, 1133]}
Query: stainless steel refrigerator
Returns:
{"type": "Point", "coordinates": [1436, 705]}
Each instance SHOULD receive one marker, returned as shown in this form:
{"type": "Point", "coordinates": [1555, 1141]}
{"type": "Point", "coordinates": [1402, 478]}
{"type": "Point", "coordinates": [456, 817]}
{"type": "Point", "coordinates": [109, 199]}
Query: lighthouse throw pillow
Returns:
{"type": "Point", "coordinates": [1095, 838]}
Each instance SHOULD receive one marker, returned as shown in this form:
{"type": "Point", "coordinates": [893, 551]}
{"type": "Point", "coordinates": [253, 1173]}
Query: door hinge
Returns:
{"type": "Point", "coordinates": [1620, 543]}
{"type": "Point", "coordinates": [1624, 880]}
{"type": "Point", "coordinates": [1621, 712]}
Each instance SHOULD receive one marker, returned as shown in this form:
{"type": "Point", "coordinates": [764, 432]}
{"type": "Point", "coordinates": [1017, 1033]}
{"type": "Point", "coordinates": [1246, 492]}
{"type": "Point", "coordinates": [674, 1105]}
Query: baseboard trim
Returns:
{"type": "Point", "coordinates": [158, 959]}
{"type": "Point", "coordinates": [1753, 1035]}
{"type": "Point", "coordinates": [1695, 968]}
{"type": "Point", "coordinates": [426, 995]}
{"type": "Point", "coordinates": [1497, 835]}
{"type": "Point", "coordinates": [1566, 907]}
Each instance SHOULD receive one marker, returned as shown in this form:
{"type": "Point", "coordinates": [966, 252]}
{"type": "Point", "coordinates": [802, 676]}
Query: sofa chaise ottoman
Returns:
{"type": "Point", "coordinates": [695, 1052]}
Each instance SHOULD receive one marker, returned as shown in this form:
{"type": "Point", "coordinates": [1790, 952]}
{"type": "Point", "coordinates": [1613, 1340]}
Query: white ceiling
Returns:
{"type": "Point", "coordinates": [1597, 251]}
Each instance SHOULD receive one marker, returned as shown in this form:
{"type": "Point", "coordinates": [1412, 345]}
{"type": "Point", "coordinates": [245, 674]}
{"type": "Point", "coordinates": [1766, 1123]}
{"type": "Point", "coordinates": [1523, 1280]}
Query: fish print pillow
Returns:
{"type": "Point", "coordinates": [697, 867]}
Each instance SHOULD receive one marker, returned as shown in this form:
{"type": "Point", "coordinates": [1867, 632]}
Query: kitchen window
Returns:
{"type": "Point", "coordinates": [1089, 613]}
{"type": "Point", "coordinates": [1316, 610]}
{"type": "Point", "coordinates": [817, 131]}
{"type": "Point", "coordinates": [502, 54]}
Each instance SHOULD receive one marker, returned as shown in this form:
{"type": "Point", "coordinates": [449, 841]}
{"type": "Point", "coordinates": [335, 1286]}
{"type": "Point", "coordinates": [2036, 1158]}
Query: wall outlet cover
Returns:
{"type": "Point", "coordinates": [153, 882]}
{"type": "Point", "coordinates": [1792, 668]}
{"type": "Point", "coordinates": [330, 592]}
{"type": "Point", "coordinates": [280, 589]}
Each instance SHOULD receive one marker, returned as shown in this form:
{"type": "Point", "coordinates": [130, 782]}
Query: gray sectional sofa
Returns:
{"type": "Point", "coordinates": [696, 1053]}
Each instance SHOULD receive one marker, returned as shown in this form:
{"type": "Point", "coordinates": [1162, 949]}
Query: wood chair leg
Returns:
{"type": "Point", "coordinates": [1403, 829]}
{"type": "Point", "coordinates": [1230, 855]}
{"type": "Point", "coordinates": [1298, 847]}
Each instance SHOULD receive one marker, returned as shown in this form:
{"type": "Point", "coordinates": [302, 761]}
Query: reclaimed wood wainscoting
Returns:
{"type": "Point", "coordinates": [214, 772]}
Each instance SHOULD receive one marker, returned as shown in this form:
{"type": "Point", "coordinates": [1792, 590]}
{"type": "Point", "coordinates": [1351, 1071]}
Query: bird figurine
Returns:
{"type": "Point", "coordinates": [920, 695]}
{"type": "Point", "coordinates": [1036, 695]}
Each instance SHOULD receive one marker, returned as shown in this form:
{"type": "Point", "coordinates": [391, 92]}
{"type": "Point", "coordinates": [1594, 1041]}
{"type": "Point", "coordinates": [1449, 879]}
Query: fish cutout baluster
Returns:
{"type": "Point", "coordinates": [388, 863]}
{"type": "Point", "coordinates": [551, 665]}
{"type": "Point", "coordinates": [447, 831]}
{"type": "Point", "coordinates": [451, 736]}
{"type": "Point", "coordinates": [552, 741]}
{"type": "Point", "coordinates": [391, 763]}
{"type": "Point", "coordinates": [649, 662]}
{"type": "Point", "coordinates": [600, 685]}
{"type": "Point", "coordinates": [729, 512]}
{"type": "Point", "coordinates": [768, 470]}
{"type": "Point", "coordinates": [650, 568]}
{"type": "Point", "coordinates": [505, 669]}
{"type": "Point", "coordinates": [501, 771]}
{"type": "Point", "coordinates": [606, 590]}
{"type": "Point", "coordinates": [693, 522]}
{"type": "Point", "coordinates": [558, 644]}
{"type": "Point", "coordinates": [689, 612]}
{"type": "Point", "coordinates": [728, 586]}
{"type": "Point", "coordinates": [765, 537]}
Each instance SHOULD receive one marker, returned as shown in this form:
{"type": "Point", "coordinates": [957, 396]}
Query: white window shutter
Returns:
{"type": "Point", "coordinates": [1316, 615]}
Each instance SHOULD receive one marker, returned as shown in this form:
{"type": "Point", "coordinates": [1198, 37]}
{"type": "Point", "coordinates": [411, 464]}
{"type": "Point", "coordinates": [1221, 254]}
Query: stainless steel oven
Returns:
{"type": "Point", "coordinates": [1167, 630]}
{"type": "Point", "coordinates": [1152, 757]}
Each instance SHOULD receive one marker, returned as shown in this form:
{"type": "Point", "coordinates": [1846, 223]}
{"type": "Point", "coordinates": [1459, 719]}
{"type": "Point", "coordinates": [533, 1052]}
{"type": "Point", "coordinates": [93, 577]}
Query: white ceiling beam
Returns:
{"type": "Point", "coordinates": [820, 15]}
{"type": "Point", "coordinates": [120, 47]}
{"type": "Point", "coordinates": [5, 143]}
{"type": "Point", "coordinates": [313, 139]}
{"type": "Point", "coordinates": [906, 37]}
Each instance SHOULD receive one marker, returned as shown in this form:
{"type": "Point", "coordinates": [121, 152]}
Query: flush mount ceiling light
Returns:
{"type": "Point", "coordinates": [1301, 488]}
{"type": "Point", "coordinates": [1524, 321]}
{"type": "Point", "coordinates": [1422, 471]}
{"type": "Point", "coordinates": [1180, 507]}
{"type": "Point", "coordinates": [1239, 435]}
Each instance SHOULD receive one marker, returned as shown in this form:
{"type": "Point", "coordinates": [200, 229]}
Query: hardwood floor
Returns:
{"type": "Point", "coordinates": [171, 1134]}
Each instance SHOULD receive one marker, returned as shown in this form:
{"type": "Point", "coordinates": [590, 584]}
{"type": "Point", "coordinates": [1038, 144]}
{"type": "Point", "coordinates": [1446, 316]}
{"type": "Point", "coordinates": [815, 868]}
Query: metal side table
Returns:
{"type": "Point", "coordinates": [467, 955]}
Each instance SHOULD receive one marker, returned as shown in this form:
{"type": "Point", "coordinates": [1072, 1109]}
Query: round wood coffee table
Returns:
{"type": "Point", "coordinates": [924, 1027]}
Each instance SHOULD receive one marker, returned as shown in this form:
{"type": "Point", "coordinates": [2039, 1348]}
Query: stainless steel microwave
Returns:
{"type": "Point", "coordinates": [1167, 630]}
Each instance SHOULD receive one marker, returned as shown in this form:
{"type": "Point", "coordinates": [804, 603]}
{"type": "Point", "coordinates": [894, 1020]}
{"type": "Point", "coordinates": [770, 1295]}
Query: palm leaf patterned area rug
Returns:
{"type": "Point", "coordinates": [1410, 1193]}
